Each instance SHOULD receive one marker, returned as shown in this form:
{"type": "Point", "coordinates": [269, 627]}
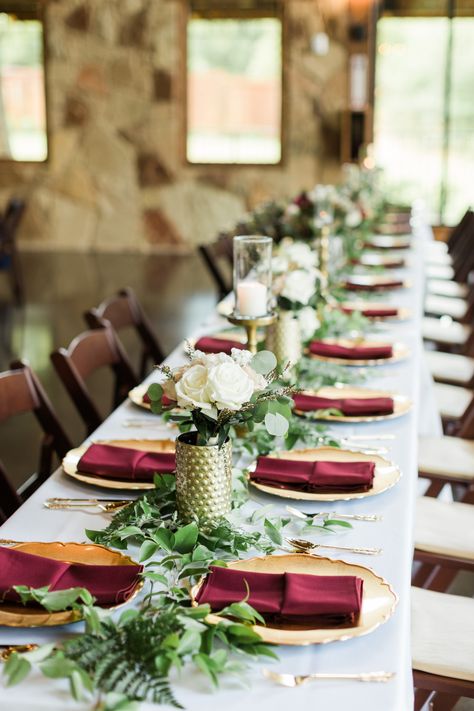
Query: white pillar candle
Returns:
{"type": "Point", "coordinates": [251, 298]}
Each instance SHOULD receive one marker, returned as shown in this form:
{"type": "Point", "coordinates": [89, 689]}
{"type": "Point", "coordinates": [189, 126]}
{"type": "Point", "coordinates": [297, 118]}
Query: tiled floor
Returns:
{"type": "Point", "coordinates": [175, 291]}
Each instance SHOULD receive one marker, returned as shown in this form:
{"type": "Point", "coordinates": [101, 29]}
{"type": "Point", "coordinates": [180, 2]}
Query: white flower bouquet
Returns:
{"type": "Point", "coordinates": [216, 391]}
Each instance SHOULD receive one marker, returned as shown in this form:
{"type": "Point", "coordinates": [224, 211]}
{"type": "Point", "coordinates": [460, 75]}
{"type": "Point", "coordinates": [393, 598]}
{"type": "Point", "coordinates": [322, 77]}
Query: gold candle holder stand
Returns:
{"type": "Point", "coordinates": [251, 324]}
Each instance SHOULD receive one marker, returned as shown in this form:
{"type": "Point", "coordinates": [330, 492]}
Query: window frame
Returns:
{"type": "Point", "coordinates": [32, 10]}
{"type": "Point", "coordinates": [232, 14]}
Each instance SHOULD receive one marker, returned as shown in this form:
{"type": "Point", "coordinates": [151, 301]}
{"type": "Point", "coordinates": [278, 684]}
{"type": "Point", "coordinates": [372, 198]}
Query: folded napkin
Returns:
{"type": "Point", "coordinates": [314, 476]}
{"type": "Point", "coordinates": [348, 406]}
{"type": "Point", "coordinates": [354, 286]}
{"type": "Point", "coordinates": [124, 463]}
{"type": "Point", "coordinates": [208, 344]}
{"type": "Point", "coordinates": [224, 586]}
{"type": "Point", "coordinates": [334, 350]}
{"type": "Point", "coordinates": [322, 600]}
{"type": "Point", "coordinates": [330, 600]}
{"type": "Point", "coordinates": [109, 584]}
{"type": "Point", "coordinates": [372, 312]}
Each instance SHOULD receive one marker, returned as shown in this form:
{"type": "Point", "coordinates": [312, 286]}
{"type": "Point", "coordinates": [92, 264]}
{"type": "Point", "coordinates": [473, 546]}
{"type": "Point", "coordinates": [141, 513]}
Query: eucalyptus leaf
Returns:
{"type": "Point", "coordinates": [264, 362]}
{"type": "Point", "coordinates": [276, 424]}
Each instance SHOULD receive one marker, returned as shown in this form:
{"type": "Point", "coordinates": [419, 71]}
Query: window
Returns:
{"type": "Point", "coordinates": [424, 111]}
{"type": "Point", "coordinates": [22, 86]}
{"type": "Point", "coordinates": [234, 89]}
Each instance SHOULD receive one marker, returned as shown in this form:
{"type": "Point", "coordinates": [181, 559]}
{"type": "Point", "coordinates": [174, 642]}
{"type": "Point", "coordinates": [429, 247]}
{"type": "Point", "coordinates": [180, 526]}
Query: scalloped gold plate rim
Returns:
{"type": "Point", "coordinates": [387, 474]}
{"type": "Point", "coordinates": [72, 458]}
{"type": "Point", "coordinates": [378, 601]}
{"type": "Point", "coordinates": [136, 396]}
{"type": "Point", "coordinates": [18, 615]}
{"type": "Point", "coordinates": [402, 404]}
{"type": "Point", "coordinates": [400, 352]}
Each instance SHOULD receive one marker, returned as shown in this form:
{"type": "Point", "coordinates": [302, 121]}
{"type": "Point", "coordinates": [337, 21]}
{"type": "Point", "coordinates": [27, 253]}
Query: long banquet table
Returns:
{"type": "Point", "coordinates": [387, 648]}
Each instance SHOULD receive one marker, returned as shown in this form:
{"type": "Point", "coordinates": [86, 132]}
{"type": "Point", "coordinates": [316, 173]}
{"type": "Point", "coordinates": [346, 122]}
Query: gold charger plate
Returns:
{"type": "Point", "coordinates": [18, 615]}
{"type": "Point", "coordinates": [229, 335]}
{"type": "Point", "coordinates": [374, 281]}
{"type": "Point", "coordinates": [378, 600]}
{"type": "Point", "coordinates": [386, 473]}
{"type": "Point", "coordinates": [388, 242]}
{"type": "Point", "coordinates": [136, 396]}
{"type": "Point", "coordinates": [399, 352]}
{"type": "Point", "coordinates": [402, 314]}
{"type": "Point", "coordinates": [72, 458]}
{"type": "Point", "coordinates": [401, 404]}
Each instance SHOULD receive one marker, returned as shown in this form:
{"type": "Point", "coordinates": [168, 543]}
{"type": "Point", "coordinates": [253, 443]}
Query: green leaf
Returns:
{"type": "Point", "coordinates": [155, 392]}
{"type": "Point", "coordinates": [264, 362]}
{"type": "Point", "coordinates": [337, 522]}
{"type": "Point", "coordinates": [16, 669]}
{"type": "Point", "coordinates": [147, 549]}
{"type": "Point", "coordinates": [272, 532]}
{"type": "Point", "coordinates": [276, 424]}
{"type": "Point", "coordinates": [185, 538]}
{"type": "Point", "coordinates": [189, 643]}
{"type": "Point", "coordinates": [77, 687]}
{"type": "Point", "coordinates": [57, 667]}
{"type": "Point", "coordinates": [165, 539]}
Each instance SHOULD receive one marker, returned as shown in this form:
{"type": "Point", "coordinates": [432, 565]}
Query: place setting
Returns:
{"type": "Point", "coordinates": [377, 311]}
{"type": "Point", "coordinates": [374, 282]}
{"type": "Point", "coordinates": [348, 403]}
{"type": "Point", "coordinates": [358, 351]}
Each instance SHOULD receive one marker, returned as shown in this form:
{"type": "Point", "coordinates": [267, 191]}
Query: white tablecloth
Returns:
{"type": "Point", "coordinates": [387, 648]}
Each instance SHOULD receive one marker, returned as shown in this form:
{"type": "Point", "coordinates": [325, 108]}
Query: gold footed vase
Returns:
{"type": "Point", "coordinates": [203, 479]}
{"type": "Point", "coordinates": [284, 338]}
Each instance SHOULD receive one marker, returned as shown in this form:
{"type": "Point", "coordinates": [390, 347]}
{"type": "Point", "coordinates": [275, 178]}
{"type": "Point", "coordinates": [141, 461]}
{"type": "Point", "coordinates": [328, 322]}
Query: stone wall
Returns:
{"type": "Point", "coordinates": [116, 178]}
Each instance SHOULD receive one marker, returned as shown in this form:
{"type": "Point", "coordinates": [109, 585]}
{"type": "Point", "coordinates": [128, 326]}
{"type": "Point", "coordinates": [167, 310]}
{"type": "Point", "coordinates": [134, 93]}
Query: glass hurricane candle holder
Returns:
{"type": "Point", "coordinates": [252, 275]}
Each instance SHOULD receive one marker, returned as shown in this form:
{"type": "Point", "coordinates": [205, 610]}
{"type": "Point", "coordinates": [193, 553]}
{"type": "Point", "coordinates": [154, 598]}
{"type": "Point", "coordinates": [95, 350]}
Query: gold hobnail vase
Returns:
{"type": "Point", "coordinates": [284, 338]}
{"type": "Point", "coordinates": [203, 479]}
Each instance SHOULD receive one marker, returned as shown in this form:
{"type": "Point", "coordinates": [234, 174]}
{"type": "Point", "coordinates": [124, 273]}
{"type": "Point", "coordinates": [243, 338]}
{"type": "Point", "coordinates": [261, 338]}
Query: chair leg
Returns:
{"type": "Point", "coordinates": [421, 697]}
{"type": "Point", "coordinates": [434, 489]}
{"type": "Point", "coordinates": [444, 702]}
{"type": "Point", "coordinates": [422, 575]}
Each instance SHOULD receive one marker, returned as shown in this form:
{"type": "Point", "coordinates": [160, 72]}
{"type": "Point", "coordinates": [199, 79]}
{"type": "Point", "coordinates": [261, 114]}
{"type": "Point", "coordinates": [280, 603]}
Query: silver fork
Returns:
{"type": "Point", "coordinates": [303, 546]}
{"type": "Point", "coordinates": [293, 680]}
{"type": "Point", "coordinates": [334, 514]}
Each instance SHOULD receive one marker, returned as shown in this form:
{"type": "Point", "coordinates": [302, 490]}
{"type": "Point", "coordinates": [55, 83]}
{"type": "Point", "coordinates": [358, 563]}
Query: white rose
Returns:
{"type": "Point", "coordinates": [192, 388]}
{"type": "Point", "coordinates": [279, 265]}
{"type": "Point", "coordinates": [300, 254]}
{"type": "Point", "coordinates": [353, 218]}
{"type": "Point", "coordinates": [229, 386]}
{"type": "Point", "coordinates": [241, 356]}
{"type": "Point", "coordinates": [299, 286]}
{"type": "Point", "coordinates": [308, 321]}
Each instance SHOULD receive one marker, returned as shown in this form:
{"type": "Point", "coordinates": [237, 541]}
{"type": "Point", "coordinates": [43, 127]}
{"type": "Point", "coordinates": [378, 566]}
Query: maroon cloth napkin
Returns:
{"type": "Point", "coordinates": [124, 463]}
{"type": "Point", "coordinates": [348, 406]}
{"type": "Point", "coordinates": [287, 597]}
{"type": "Point", "coordinates": [332, 600]}
{"type": "Point", "coordinates": [334, 350]}
{"type": "Point", "coordinates": [374, 313]}
{"type": "Point", "coordinates": [368, 287]}
{"type": "Point", "coordinates": [314, 476]}
{"type": "Point", "coordinates": [109, 584]}
{"type": "Point", "coordinates": [208, 344]}
{"type": "Point", "coordinates": [224, 586]}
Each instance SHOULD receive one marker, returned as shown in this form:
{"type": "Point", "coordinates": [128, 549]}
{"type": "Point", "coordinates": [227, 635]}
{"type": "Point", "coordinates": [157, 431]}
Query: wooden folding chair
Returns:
{"type": "Point", "coordinates": [87, 353]}
{"type": "Point", "coordinates": [21, 392]}
{"type": "Point", "coordinates": [218, 257]}
{"type": "Point", "coordinates": [123, 311]}
{"type": "Point", "coordinates": [9, 258]}
{"type": "Point", "coordinates": [442, 648]}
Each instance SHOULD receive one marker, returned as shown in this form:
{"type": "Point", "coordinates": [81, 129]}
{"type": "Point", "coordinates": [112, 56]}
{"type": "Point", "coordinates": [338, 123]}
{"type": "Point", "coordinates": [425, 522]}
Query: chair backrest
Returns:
{"type": "Point", "coordinates": [21, 392]}
{"type": "Point", "coordinates": [214, 255]}
{"type": "Point", "coordinates": [123, 310]}
{"type": "Point", "coordinates": [87, 353]}
{"type": "Point", "coordinates": [10, 221]}
{"type": "Point", "coordinates": [463, 257]}
{"type": "Point", "coordinates": [457, 231]}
